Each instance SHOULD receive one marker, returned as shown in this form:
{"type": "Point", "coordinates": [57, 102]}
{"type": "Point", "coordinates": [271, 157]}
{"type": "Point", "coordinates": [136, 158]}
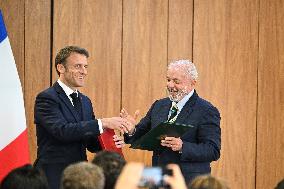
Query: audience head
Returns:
{"type": "Point", "coordinates": [280, 185]}
{"type": "Point", "coordinates": [25, 177]}
{"type": "Point", "coordinates": [207, 182]}
{"type": "Point", "coordinates": [112, 164]}
{"type": "Point", "coordinates": [82, 175]}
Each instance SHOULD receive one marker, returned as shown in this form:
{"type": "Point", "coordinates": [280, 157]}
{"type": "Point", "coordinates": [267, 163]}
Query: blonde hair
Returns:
{"type": "Point", "coordinates": [82, 175]}
{"type": "Point", "coordinates": [207, 182]}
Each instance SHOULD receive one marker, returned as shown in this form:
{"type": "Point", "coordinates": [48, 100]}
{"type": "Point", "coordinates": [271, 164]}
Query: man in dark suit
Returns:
{"type": "Point", "coordinates": [198, 147]}
{"type": "Point", "coordinates": [64, 118]}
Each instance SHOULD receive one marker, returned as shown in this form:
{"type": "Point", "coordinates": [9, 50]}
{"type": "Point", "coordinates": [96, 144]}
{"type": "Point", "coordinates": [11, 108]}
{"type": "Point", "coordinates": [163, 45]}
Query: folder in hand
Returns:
{"type": "Point", "coordinates": [152, 140]}
{"type": "Point", "coordinates": [107, 143]}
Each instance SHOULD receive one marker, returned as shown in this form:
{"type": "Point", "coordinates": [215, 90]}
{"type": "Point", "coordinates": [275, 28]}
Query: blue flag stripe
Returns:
{"type": "Point", "coordinates": [3, 32]}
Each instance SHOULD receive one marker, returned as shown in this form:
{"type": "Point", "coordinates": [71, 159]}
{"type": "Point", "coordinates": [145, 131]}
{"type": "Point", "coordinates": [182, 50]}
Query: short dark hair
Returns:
{"type": "Point", "coordinates": [280, 185]}
{"type": "Point", "coordinates": [64, 53]}
{"type": "Point", "coordinates": [25, 177]}
{"type": "Point", "coordinates": [112, 164]}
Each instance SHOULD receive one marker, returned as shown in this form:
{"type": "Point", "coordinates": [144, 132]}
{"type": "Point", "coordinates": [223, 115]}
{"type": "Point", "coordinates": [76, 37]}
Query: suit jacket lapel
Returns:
{"type": "Point", "coordinates": [187, 109]}
{"type": "Point", "coordinates": [62, 95]}
{"type": "Point", "coordinates": [164, 111]}
{"type": "Point", "coordinates": [83, 106]}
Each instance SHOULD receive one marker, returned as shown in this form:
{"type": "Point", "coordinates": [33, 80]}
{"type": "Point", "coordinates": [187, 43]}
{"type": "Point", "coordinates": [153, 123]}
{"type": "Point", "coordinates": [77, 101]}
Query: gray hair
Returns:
{"type": "Point", "coordinates": [189, 67]}
{"type": "Point", "coordinates": [82, 175]}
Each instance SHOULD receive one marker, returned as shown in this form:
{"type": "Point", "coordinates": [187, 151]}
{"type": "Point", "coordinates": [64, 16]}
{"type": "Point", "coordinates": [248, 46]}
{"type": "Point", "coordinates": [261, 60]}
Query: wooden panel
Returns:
{"type": "Point", "coordinates": [13, 15]}
{"type": "Point", "coordinates": [270, 135]}
{"type": "Point", "coordinates": [37, 56]}
{"type": "Point", "coordinates": [180, 29]}
{"type": "Point", "coordinates": [144, 59]}
{"type": "Point", "coordinates": [225, 51]}
{"type": "Point", "coordinates": [96, 26]}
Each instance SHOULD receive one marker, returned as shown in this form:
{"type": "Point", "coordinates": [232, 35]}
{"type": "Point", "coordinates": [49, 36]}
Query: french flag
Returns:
{"type": "Point", "coordinates": [14, 149]}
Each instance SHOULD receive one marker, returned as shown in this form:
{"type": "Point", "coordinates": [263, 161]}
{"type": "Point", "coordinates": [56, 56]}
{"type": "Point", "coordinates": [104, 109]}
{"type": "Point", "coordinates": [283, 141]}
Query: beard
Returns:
{"type": "Point", "coordinates": [176, 96]}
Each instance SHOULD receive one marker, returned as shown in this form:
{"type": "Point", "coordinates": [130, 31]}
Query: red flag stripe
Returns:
{"type": "Point", "coordinates": [14, 154]}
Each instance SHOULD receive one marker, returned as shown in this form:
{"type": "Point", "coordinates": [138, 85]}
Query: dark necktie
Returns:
{"type": "Point", "coordinates": [173, 113]}
{"type": "Point", "coordinates": [77, 103]}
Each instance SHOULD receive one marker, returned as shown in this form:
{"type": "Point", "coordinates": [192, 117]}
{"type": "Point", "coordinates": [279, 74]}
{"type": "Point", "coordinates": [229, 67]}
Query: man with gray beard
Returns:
{"type": "Point", "coordinates": [197, 148]}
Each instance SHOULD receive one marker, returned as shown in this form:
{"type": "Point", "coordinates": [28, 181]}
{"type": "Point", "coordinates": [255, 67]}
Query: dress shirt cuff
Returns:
{"type": "Point", "coordinates": [100, 126]}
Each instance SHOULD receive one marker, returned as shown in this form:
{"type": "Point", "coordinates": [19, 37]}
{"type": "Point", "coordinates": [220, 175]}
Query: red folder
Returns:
{"type": "Point", "coordinates": [107, 142]}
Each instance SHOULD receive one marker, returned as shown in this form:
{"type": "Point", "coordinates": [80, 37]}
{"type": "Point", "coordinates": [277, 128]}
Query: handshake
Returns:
{"type": "Point", "coordinates": [125, 123]}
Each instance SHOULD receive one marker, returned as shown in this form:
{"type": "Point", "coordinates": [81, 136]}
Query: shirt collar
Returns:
{"type": "Point", "coordinates": [184, 100]}
{"type": "Point", "coordinates": [68, 91]}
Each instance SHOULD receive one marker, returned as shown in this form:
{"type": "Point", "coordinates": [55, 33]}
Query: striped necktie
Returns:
{"type": "Point", "coordinates": [173, 113]}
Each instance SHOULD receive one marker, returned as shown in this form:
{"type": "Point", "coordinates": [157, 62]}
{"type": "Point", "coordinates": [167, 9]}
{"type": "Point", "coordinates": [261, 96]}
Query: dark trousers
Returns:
{"type": "Point", "coordinates": [53, 173]}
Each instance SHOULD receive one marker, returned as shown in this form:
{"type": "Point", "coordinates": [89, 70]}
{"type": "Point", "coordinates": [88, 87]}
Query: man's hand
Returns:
{"type": "Point", "coordinates": [132, 120]}
{"type": "Point", "coordinates": [176, 181]}
{"type": "Point", "coordinates": [118, 141]}
{"type": "Point", "coordinates": [174, 143]}
{"type": "Point", "coordinates": [130, 170]}
{"type": "Point", "coordinates": [116, 123]}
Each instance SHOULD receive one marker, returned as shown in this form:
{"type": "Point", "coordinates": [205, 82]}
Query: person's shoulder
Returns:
{"type": "Point", "coordinates": [162, 101]}
{"type": "Point", "coordinates": [85, 98]}
{"type": "Point", "coordinates": [204, 102]}
{"type": "Point", "coordinates": [207, 106]}
{"type": "Point", "coordinates": [83, 95]}
{"type": "Point", "coordinates": [50, 91]}
{"type": "Point", "coordinates": [160, 104]}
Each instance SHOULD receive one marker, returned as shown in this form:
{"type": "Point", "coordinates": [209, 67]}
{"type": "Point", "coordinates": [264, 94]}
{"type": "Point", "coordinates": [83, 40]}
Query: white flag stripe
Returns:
{"type": "Point", "coordinates": [12, 112]}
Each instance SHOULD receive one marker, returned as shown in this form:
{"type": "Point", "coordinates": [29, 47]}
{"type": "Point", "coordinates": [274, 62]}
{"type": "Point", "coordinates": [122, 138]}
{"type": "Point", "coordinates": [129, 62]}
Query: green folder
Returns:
{"type": "Point", "coordinates": [152, 140]}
